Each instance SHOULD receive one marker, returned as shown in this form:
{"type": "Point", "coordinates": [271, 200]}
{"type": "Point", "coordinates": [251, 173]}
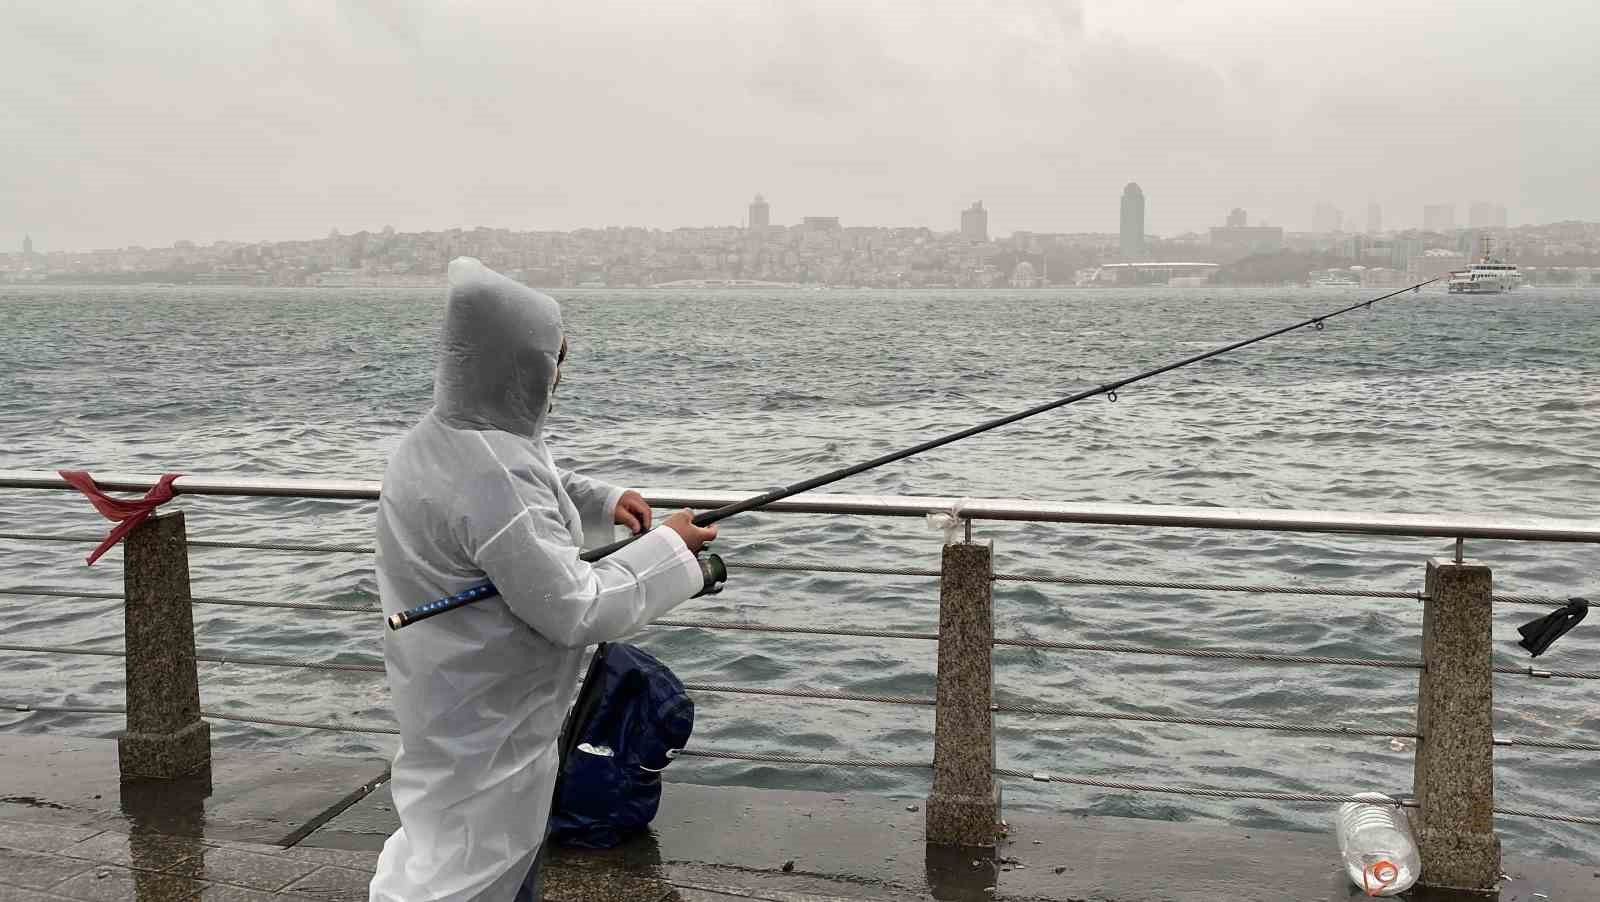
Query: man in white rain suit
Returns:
{"type": "Point", "coordinates": [480, 693]}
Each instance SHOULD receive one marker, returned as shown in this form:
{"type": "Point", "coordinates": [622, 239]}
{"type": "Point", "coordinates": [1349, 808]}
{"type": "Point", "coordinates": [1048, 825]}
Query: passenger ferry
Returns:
{"type": "Point", "coordinates": [1487, 276]}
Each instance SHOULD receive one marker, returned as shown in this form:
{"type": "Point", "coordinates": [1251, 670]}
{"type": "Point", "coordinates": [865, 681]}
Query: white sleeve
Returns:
{"type": "Point", "coordinates": [533, 562]}
{"type": "Point", "coordinates": [597, 505]}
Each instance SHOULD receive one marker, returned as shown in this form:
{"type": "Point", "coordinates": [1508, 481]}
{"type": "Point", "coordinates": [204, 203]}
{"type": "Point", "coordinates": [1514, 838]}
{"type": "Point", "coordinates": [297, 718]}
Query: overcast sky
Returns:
{"type": "Point", "coordinates": [147, 123]}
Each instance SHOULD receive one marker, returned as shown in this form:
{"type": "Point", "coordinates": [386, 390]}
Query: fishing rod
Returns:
{"type": "Point", "coordinates": [713, 568]}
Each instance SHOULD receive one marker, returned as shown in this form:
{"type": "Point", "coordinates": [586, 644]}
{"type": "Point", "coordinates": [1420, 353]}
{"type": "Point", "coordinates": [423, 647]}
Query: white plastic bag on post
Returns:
{"type": "Point", "coordinates": [950, 521]}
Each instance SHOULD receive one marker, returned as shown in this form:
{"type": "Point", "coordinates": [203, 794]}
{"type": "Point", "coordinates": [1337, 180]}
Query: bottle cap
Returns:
{"type": "Point", "coordinates": [1382, 872]}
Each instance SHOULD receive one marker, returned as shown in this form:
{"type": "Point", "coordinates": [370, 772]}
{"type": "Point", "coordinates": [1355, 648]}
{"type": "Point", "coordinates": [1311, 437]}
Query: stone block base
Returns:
{"type": "Point", "coordinates": [962, 820]}
{"type": "Point", "coordinates": [164, 756]}
{"type": "Point", "coordinates": [1457, 860]}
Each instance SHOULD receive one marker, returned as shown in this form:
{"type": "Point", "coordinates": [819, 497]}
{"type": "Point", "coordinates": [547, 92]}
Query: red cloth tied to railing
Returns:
{"type": "Point", "coordinates": [127, 514]}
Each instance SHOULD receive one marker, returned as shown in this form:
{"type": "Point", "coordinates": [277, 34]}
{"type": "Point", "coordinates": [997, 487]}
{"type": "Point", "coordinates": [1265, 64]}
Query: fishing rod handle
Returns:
{"type": "Point", "coordinates": [713, 573]}
{"type": "Point", "coordinates": [440, 605]}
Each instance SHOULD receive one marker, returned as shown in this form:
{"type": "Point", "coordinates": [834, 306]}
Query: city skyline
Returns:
{"type": "Point", "coordinates": [973, 225]}
{"type": "Point", "coordinates": [822, 251]}
{"type": "Point", "coordinates": [279, 121]}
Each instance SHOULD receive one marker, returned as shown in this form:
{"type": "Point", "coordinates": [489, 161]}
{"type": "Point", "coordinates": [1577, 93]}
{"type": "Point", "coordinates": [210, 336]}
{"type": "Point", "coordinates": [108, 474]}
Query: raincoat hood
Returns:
{"type": "Point", "coordinates": [497, 353]}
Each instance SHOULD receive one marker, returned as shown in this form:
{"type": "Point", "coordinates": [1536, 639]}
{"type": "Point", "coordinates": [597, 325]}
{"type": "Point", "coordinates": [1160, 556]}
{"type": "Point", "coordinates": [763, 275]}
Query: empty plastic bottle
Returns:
{"type": "Point", "coordinates": [1379, 851]}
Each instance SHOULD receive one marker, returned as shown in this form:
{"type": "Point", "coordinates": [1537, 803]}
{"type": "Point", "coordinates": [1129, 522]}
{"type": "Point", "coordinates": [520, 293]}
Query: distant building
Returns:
{"type": "Point", "coordinates": [1439, 217]}
{"type": "Point", "coordinates": [1402, 250]}
{"type": "Point", "coordinates": [1353, 247]}
{"type": "Point", "coordinates": [1237, 218]}
{"type": "Point", "coordinates": [1145, 273]}
{"type": "Point", "coordinates": [1326, 218]}
{"type": "Point", "coordinates": [1024, 276]}
{"type": "Point", "coordinates": [1132, 244]}
{"type": "Point", "coordinates": [1245, 240]}
{"type": "Point", "coordinates": [1486, 216]}
{"type": "Point", "coordinates": [975, 223]}
{"type": "Point", "coordinates": [760, 213]}
{"type": "Point", "coordinates": [27, 245]}
{"type": "Point", "coordinates": [820, 224]}
{"type": "Point", "coordinates": [1374, 219]}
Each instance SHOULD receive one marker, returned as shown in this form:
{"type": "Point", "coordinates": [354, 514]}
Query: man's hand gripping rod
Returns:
{"type": "Point", "coordinates": [713, 566]}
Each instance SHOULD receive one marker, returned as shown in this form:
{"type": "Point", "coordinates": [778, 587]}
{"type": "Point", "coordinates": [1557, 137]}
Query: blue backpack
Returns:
{"type": "Point", "coordinates": [631, 718]}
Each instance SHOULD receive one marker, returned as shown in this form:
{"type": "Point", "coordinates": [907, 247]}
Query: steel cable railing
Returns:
{"type": "Point", "coordinates": [1250, 588]}
{"type": "Point", "coordinates": [1519, 742]}
{"type": "Point", "coordinates": [730, 625]}
{"type": "Point", "coordinates": [28, 708]}
{"type": "Point", "coordinates": [1016, 642]}
{"type": "Point", "coordinates": [806, 760]}
{"type": "Point", "coordinates": [1257, 794]}
{"type": "Point", "coordinates": [738, 626]}
{"type": "Point", "coordinates": [817, 567]}
{"type": "Point", "coordinates": [874, 698]}
{"type": "Point", "coordinates": [345, 548]}
{"type": "Point", "coordinates": [1220, 653]}
{"type": "Point", "coordinates": [1233, 723]}
{"type": "Point", "coordinates": [911, 700]}
{"type": "Point", "coordinates": [1537, 600]}
{"type": "Point", "coordinates": [309, 547]}
{"type": "Point", "coordinates": [205, 656]}
{"type": "Point", "coordinates": [198, 599]}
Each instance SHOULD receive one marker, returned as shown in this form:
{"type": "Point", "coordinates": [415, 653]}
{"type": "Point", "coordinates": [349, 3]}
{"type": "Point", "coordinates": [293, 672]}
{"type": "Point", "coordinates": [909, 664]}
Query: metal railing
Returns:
{"type": "Point", "coordinates": [1455, 603]}
{"type": "Point", "coordinates": [1456, 526]}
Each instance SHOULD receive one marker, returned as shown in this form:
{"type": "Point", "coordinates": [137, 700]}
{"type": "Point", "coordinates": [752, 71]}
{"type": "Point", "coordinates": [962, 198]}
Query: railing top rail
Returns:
{"type": "Point", "coordinates": [202, 484]}
{"type": "Point", "coordinates": [1468, 526]}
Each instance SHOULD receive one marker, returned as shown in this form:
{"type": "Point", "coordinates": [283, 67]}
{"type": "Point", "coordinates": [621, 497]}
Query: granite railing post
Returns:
{"type": "Point", "coordinates": [165, 737]}
{"type": "Point", "coordinates": [964, 806]}
{"type": "Point", "coordinates": [1454, 782]}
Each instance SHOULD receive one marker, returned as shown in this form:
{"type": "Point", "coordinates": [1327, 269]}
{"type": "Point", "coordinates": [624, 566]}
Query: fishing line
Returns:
{"type": "Point", "coordinates": [713, 568]}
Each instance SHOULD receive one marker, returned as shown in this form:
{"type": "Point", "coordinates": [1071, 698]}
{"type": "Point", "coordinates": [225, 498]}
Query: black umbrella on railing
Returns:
{"type": "Point", "coordinates": [1540, 634]}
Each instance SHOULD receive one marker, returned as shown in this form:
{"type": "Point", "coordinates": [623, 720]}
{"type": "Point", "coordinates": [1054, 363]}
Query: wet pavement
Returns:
{"type": "Point", "coordinates": [41, 862]}
{"type": "Point", "coordinates": [265, 826]}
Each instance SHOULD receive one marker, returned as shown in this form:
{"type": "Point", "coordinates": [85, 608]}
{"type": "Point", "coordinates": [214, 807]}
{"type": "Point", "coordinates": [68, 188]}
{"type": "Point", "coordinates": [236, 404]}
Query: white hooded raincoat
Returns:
{"type": "Point", "coordinates": [480, 693]}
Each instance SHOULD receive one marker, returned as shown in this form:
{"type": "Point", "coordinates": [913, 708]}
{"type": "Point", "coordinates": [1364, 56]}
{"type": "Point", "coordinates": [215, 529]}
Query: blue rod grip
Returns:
{"type": "Point", "coordinates": [440, 605]}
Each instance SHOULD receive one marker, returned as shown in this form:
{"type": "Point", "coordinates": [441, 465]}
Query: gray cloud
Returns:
{"type": "Point", "coordinates": [277, 120]}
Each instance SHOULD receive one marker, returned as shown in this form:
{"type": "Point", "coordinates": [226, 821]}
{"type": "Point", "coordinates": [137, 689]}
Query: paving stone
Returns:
{"type": "Point", "coordinates": [149, 852]}
{"type": "Point", "coordinates": [119, 884]}
{"type": "Point", "coordinates": [352, 859]}
{"type": "Point", "coordinates": [220, 893]}
{"type": "Point", "coordinates": [248, 869]}
{"type": "Point", "coordinates": [333, 884]}
{"type": "Point", "coordinates": [705, 893]}
{"type": "Point", "coordinates": [260, 848]}
{"type": "Point", "coordinates": [695, 894]}
{"type": "Point", "coordinates": [15, 894]}
{"type": "Point", "coordinates": [584, 885]}
{"type": "Point", "coordinates": [37, 870]}
{"type": "Point", "coordinates": [41, 837]}
{"type": "Point", "coordinates": [342, 858]}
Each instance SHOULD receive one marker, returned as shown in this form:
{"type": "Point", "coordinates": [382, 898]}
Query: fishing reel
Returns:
{"type": "Point", "coordinates": [714, 572]}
